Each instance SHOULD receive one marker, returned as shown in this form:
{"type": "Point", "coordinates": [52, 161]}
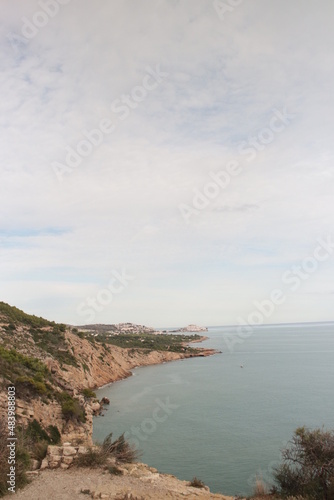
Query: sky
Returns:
{"type": "Point", "coordinates": [166, 162]}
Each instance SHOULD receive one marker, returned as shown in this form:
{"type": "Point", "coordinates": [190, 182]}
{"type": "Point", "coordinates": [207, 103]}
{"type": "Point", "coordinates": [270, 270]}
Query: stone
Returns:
{"type": "Point", "coordinates": [44, 464]}
{"type": "Point", "coordinates": [54, 450]}
{"type": "Point", "coordinates": [53, 464]}
{"type": "Point", "coordinates": [96, 407]}
{"type": "Point", "coordinates": [82, 450]}
{"type": "Point", "coordinates": [69, 451]}
{"type": "Point", "coordinates": [67, 460]}
{"type": "Point", "coordinates": [34, 464]}
{"type": "Point", "coordinates": [64, 466]}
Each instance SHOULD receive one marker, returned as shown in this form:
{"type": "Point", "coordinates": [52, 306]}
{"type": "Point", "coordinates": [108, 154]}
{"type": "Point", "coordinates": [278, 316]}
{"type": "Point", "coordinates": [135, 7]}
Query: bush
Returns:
{"type": "Point", "coordinates": [36, 432]}
{"type": "Point", "coordinates": [119, 449]}
{"type": "Point", "coordinates": [196, 483]}
{"type": "Point", "coordinates": [88, 393]}
{"type": "Point", "coordinates": [31, 384]}
{"type": "Point", "coordinates": [308, 465]}
{"type": "Point", "coordinates": [54, 434]}
{"type": "Point", "coordinates": [71, 408]}
{"type": "Point", "coordinates": [93, 458]}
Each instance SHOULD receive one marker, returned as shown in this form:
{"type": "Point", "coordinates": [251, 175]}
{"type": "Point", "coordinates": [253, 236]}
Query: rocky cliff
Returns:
{"type": "Point", "coordinates": [51, 367]}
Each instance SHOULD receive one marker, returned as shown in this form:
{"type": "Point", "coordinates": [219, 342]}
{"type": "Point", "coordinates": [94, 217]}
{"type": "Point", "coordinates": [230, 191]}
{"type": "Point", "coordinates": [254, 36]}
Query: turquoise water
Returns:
{"type": "Point", "coordinates": [211, 418]}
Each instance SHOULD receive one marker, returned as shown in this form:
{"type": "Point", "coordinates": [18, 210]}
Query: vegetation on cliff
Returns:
{"type": "Point", "coordinates": [151, 342]}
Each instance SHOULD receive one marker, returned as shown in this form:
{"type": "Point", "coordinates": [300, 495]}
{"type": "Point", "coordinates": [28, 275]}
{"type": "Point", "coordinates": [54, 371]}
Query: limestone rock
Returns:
{"type": "Point", "coordinates": [69, 451]}
{"type": "Point", "coordinates": [44, 464]}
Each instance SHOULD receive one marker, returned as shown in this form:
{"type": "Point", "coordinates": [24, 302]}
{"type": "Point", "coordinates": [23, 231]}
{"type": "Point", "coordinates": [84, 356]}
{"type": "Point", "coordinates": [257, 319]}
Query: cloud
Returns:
{"type": "Point", "coordinates": [119, 206]}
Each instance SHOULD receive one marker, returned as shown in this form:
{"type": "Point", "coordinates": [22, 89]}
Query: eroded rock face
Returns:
{"type": "Point", "coordinates": [100, 366]}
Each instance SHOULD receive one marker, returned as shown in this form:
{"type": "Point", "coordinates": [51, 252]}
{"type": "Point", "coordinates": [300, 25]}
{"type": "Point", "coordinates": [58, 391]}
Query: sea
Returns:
{"type": "Point", "coordinates": [226, 418]}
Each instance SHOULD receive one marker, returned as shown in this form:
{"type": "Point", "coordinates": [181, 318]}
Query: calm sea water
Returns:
{"type": "Point", "coordinates": [225, 423]}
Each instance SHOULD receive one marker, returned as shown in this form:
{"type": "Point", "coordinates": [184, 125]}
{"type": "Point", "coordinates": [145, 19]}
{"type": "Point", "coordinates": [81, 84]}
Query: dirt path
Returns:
{"type": "Point", "coordinates": [143, 482]}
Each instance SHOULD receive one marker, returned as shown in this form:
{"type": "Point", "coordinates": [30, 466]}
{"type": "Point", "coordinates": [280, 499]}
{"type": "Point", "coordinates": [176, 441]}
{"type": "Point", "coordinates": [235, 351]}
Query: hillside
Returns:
{"type": "Point", "coordinates": [52, 366]}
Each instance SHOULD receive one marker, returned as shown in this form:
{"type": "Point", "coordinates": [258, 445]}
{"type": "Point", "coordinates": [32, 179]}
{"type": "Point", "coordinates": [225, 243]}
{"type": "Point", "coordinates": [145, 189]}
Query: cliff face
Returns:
{"type": "Point", "coordinates": [99, 365]}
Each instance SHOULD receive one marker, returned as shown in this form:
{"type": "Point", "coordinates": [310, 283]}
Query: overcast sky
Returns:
{"type": "Point", "coordinates": [167, 161]}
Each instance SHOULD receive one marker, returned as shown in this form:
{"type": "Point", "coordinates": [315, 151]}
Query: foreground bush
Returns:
{"type": "Point", "coordinates": [308, 465]}
{"type": "Point", "coordinates": [120, 449]}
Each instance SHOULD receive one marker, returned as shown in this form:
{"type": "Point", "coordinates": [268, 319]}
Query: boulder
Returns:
{"type": "Point", "coordinates": [44, 464]}
{"type": "Point", "coordinates": [69, 451]}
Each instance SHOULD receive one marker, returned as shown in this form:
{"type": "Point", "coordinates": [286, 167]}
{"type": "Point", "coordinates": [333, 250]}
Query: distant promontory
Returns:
{"type": "Point", "coordinates": [190, 329]}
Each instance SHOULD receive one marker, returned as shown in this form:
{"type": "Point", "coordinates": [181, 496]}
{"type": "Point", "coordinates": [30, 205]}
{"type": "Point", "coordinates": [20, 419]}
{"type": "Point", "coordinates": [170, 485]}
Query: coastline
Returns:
{"type": "Point", "coordinates": [160, 357]}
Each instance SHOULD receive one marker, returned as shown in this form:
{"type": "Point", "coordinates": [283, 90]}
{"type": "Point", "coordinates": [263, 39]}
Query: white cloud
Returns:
{"type": "Point", "coordinates": [119, 207]}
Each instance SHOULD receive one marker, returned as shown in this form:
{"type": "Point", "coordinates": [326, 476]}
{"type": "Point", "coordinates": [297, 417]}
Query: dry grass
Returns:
{"type": "Point", "coordinates": [260, 488]}
{"type": "Point", "coordinates": [120, 449]}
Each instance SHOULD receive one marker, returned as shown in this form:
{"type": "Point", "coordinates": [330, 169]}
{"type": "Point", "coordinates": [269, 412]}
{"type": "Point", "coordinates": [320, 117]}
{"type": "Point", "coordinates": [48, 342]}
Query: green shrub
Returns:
{"type": "Point", "coordinates": [71, 408]}
{"type": "Point", "coordinates": [54, 434]}
{"type": "Point", "coordinates": [36, 432]}
{"type": "Point", "coordinates": [88, 393]}
{"type": "Point", "coordinates": [33, 385]}
{"type": "Point", "coordinates": [308, 465]}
